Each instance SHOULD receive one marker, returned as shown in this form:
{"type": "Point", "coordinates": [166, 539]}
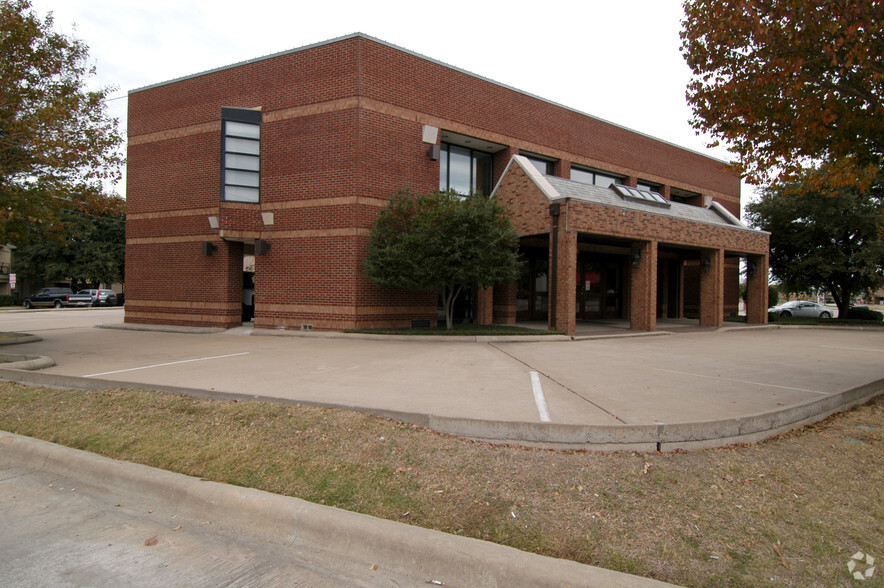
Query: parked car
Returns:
{"type": "Point", "coordinates": [101, 297]}
{"type": "Point", "coordinates": [57, 297]}
{"type": "Point", "coordinates": [801, 308]}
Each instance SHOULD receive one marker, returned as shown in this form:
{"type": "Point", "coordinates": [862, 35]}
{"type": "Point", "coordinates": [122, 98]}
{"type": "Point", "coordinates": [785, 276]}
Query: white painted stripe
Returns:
{"type": "Point", "coordinates": [539, 400]}
{"type": "Point", "coordinates": [742, 381]}
{"type": "Point", "coordinates": [147, 367]}
{"type": "Point", "coordinates": [853, 348]}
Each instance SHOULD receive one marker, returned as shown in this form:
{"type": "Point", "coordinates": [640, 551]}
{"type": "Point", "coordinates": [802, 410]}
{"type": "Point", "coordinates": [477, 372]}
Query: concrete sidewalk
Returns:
{"type": "Point", "coordinates": [75, 518]}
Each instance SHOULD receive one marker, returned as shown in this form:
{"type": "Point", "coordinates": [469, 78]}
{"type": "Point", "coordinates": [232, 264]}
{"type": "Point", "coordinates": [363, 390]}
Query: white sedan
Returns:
{"type": "Point", "coordinates": [802, 308]}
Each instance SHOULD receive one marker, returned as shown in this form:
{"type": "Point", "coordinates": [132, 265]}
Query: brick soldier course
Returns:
{"type": "Point", "coordinates": [345, 124]}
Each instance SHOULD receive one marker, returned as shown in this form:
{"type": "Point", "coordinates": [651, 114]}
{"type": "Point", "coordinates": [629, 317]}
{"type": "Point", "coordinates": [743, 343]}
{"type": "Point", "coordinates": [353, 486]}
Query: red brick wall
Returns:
{"type": "Point", "coordinates": [536, 125]}
{"type": "Point", "coordinates": [341, 133]}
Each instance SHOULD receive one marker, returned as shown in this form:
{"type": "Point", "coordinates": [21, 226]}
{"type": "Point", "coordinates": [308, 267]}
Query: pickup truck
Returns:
{"type": "Point", "coordinates": [57, 297]}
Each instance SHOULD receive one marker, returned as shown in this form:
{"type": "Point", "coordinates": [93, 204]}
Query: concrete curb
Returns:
{"type": "Point", "coordinates": [410, 338]}
{"type": "Point", "coordinates": [163, 328]}
{"type": "Point", "coordinates": [25, 362]}
{"type": "Point", "coordinates": [412, 551]}
{"type": "Point", "coordinates": [649, 437]}
{"type": "Point", "coordinates": [19, 338]}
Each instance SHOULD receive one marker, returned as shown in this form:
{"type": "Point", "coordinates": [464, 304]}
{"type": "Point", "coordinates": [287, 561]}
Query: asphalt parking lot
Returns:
{"type": "Point", "coordinates": [615, 383]}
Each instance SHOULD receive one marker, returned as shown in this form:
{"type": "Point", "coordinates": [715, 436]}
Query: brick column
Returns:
{"type": "Point", "coordinates": [485, 306]}
{"type": "Point", "coordinates": [757, 289]}
{"type": "Point", "coordinates": [643, 286]}
{"type": "Point", "coordinates": [505, 304]}
{"type": "Point", "coordinates": [562, 169]}
{"type": "Point", "coordinates": [711, 287]}
{"type": "Point", "coordinates": [563, 272]}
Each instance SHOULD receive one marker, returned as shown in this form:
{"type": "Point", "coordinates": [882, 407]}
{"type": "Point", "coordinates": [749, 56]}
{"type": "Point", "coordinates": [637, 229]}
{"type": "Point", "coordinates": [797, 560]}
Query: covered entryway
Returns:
{"type": "Point", "coordinates": [624, 253]}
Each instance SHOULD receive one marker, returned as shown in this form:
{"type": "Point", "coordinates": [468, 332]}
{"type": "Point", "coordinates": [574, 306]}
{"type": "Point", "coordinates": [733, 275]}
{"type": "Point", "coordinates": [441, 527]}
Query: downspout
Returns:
{"type": "Point", "coordinates": [358, 263]}
{"type": "Point", "coordinates": [554, 212]}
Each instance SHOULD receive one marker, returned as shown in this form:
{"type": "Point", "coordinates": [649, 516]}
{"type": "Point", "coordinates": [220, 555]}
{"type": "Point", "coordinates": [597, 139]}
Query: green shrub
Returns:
{"type": "Point", "coordinates": [9, 300]}
{"type": "Point", "coordinates": [865, 314]}
{"type": "Point", "coordinates": [773, 295]}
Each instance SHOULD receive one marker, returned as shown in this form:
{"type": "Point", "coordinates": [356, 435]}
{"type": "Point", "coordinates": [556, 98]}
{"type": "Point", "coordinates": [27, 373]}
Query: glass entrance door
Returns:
{"type": "Point", "coordinates": [599, 287]}
{"type": "Point", "coordinates": [532, 300]}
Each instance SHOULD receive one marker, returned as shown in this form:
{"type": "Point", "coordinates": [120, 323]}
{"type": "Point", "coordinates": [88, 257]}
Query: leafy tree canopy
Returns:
{"type": "Point", "coordinates": [90, 252]}
{"type": "Point", "coordinates": [790, 83]}
{"type": "Point", "coordinates": [442, 241]}
{"type": "Point", "coordinates": [824, 237]}
{"type": "Point", "coordinates": [57, 142]}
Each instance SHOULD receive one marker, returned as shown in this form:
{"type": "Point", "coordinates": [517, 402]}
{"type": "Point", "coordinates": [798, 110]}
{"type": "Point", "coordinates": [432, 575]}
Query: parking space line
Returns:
{"type": "Point", "coordinates": [539, 399]}
{"type": "Point", "coordinates": [719, 378]}
{"type": "Point", "coordinates": [853, 348]}
{"type": "Point", "coordinates": [147, 367]}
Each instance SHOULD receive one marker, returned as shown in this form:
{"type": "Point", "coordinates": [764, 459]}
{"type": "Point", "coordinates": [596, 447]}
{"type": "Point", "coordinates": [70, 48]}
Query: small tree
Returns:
{"type": "Point", "coordinates": [824, 239]}
{"type": "Point", "coordinates": [442, 241]}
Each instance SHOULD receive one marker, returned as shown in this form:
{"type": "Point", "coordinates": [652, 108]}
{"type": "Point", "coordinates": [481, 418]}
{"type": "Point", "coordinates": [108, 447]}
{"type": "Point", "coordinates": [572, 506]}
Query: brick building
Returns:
{"type": "Point", "coordinates": [289, 158]}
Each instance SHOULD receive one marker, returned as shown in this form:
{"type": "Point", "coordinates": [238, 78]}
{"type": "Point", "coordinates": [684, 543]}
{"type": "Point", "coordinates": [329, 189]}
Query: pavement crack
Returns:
{"type": "Point", "coordinates": [552, 379]}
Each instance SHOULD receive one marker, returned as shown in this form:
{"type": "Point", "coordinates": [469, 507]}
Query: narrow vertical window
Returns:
{"type": "Point", "coordinates": [240, 155]}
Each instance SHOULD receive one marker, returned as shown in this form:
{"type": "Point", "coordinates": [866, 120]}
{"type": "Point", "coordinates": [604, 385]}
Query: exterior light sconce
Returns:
{"type": "Point", "coordinates": [213, 222]}
{"type": "Point", "coordinates": [751, 268]}
{"type": "Point", "coordinates": [261, 247]}
{"type": "Point", "coordinates": [636, 258]}
{"type": "Point", "coordinates": [429, 135]}
{"type": "Point", "coordinates": [209, 248]}
{"type": "Point", "coordinates": [707, 263]}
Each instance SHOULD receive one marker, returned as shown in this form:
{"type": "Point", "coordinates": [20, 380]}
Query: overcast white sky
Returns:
{"type": "Point", "coordinates": [618, 61]}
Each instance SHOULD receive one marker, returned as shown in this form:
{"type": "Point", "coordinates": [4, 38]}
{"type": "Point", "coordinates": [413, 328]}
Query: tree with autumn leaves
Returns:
{"type": "Point", "coordinates": [790, 84]}
{"type": "Point", "coordinates": [57, 142]}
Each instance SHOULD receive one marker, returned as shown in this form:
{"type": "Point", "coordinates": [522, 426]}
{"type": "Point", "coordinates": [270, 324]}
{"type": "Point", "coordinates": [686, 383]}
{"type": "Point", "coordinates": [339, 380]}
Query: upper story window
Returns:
{"type": "Point", "coordinates": [686, 197]}
{"type": "Point", "coordinates": [240, 155]}
{"type": "Point", "coordinates": [464, 170]}
{"type": "Point", "coordinates": [593, 177]}
{"type": "Point", "coordinates": [648, 186]}
{"type": "Point", "coordinates": [543, 165]}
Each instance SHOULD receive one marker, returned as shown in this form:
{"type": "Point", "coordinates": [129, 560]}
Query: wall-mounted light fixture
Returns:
{"type": "Point", "coordinates": [636, 258]}
{"type": "Point", "coordinates": [429, 134]}
{"type": "Point", "coordinates": [209, 248]}
{"type": "Point", "coordinates": [261, 247]}
{"type": "Point", "coordinates": [213, 222]}
{"type": "Point", "coordinates": [707, 263]}
{"type": "Point", "coordinates": [751, 268]}
{"type": "Point", "coordinates": [267, 218]}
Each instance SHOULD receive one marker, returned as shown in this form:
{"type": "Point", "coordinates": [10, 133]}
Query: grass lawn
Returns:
{"type": "Point", "coordinates": [786, 512]}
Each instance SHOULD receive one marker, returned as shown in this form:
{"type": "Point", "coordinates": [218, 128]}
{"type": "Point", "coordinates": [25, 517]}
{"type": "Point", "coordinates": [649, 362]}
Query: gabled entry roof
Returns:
{"type": "Point", "coordinates": [555, 188]}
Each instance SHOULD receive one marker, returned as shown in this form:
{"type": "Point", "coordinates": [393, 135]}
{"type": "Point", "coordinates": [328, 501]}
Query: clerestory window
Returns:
{"type": "Point", "coordinates": [240, 155]}
{"type": "Point", "coordinates": [594, 177]}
